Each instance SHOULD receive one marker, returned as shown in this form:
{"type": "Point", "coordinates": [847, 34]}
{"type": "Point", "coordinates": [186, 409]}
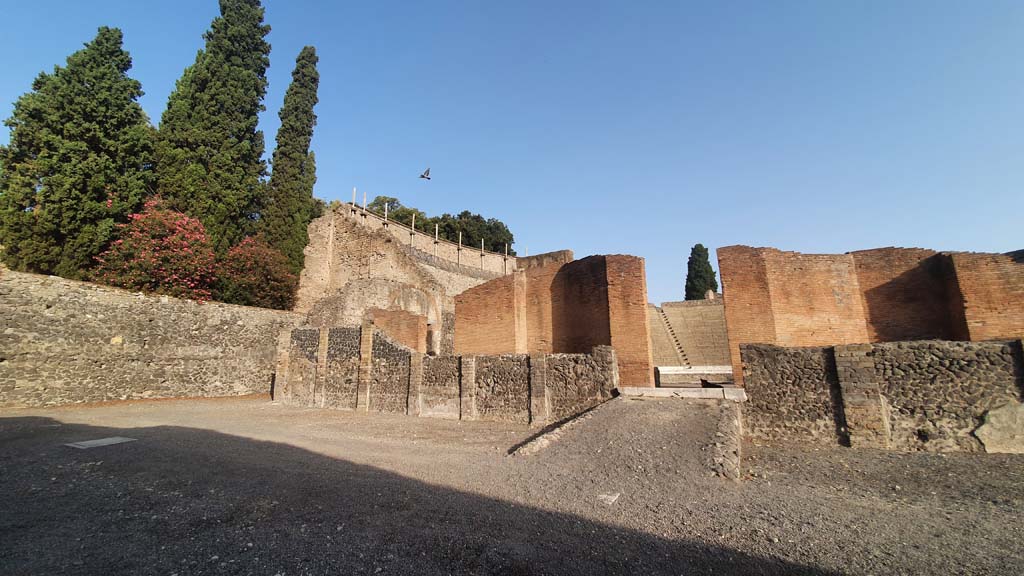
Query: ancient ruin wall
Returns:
{"type": "Point", "coordinates": [937, 392]}
{"type": "Point", "coordinates": [64, 342]}
{"type": "Point", "coordinates": [992, 290]}
{"type": "Point", "coordinates": [700, 327]}
{"type": "Point", "coordinates": [748, 315]}
{"type": "Point", "coordinates": [905, 294]}
{"type": "Point", "coordinates": [628, 323]}
{"type": "Point", "coordinates": [439, 392]}
{"type": "Point", "coordinates": [406, 328]}
{"type": "Point", "coordinates": [791, 392]}
{"type": "Point", "coordinates": [921, 395]}
{"type": "Point", "coordinates": [502, 388]}
{"type": "Point", "coordinates": [341, 381]}
{"type": "Point", "coordinates": [486, 317]}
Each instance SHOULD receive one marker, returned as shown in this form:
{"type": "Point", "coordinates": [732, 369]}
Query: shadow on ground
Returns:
{"type": "Point", "coordinates": [190, 501]}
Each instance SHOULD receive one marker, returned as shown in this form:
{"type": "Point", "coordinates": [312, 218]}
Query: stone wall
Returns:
{"type": "Point", "coordinates": [886, 294]}
{"type": "Point", "coordinates": [557, 307]}
{"type": "Point", "coordinates": [64, 342]}
{"type": "Point", "coordinates": [791, 392]}
{"type": "Point", "coordinates": [364, 369]}
{"type": "Point", "coordinates": [937, 392]}
{"type": "Point", "coordinates": [406, 328]}
{"type": "Point", "coordinates": [922, 395]}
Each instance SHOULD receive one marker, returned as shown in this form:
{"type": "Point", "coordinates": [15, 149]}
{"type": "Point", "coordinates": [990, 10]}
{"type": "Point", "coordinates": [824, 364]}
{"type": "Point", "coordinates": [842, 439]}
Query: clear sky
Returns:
{"type": "Point", "coordinates": [631, 127]}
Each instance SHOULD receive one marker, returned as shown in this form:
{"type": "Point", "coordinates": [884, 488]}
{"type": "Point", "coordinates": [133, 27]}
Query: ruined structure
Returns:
{"type": "Point", "coordinates": [689, 343]}
{"type": "Point", "coordinates": [890, 348]}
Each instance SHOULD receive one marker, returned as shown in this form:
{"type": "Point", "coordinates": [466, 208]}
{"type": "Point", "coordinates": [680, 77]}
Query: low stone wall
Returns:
{"type": "Point", "coordinates": [364, 369]}
{"type": "Point", "coordinates": [938, 392]}
{"type": "Point", "coordinates": [923, 395]}
{"type": "Point", "coordinates": [790, 392]}
{"type": "Point", "coordinates": [65, 342]}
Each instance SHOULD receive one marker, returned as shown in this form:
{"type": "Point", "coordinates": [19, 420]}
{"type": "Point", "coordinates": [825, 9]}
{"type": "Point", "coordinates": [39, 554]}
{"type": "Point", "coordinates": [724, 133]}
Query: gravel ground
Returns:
{"type": "Point", "coordinates": [252, 487]}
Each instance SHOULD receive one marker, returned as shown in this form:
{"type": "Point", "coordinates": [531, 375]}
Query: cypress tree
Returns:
{"type": "Point", "coordinates": [700, 276]}
{"type": "Point", "coordinates": [290, 204]}
{"type": "Point", "coordinates": [78, 162]}
{"type": "Point", "coordinates": [209, 151]}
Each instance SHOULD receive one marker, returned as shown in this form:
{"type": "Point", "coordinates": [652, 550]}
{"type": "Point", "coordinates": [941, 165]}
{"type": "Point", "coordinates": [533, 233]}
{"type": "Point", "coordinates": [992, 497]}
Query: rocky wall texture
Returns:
{"type": "Point", "coordinates": [65, 342]}
{"type": "Point", "coordinates": [503, 388]}
{"type": "Point", "coordinates": [341, 382]}
{"type": "Point", "coordinates": [302, 367]}
{"type": "Point", "coordinates": [439, 390]}
{"type": "Point", "coordinates": [938, 392]}
{"type": "Point", "coordinates": [389, 387]}
{"type": "Point", "coordinates": [578, 382]}
{"type": "Point", "coordinates": [791, 392]}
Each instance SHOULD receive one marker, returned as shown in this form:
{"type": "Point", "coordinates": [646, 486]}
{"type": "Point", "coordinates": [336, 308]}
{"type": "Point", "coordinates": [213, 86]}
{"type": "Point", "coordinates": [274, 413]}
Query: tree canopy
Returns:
{"type": "Point", "coordinates": [209, 151]}
{"type": "Point", "coordinates": [289, 204]}
{"type": "Point", "coordinates": [700, 276]}
{"type": "Point", "coordinates": [78, 162]}
{"type": "Point", "coordinates": [474, 227]}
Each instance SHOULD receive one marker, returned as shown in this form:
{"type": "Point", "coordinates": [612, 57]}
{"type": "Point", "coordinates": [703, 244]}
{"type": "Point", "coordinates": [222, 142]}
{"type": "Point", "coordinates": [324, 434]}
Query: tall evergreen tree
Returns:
{"type": "Point", "coordinates": [78, 161]}
{"type": "Point", "coordinates": [700, 276]}
{"type": "Point", "coordinates": [209, 151]}
{"type": "Point", "coordinates": [289, 205]}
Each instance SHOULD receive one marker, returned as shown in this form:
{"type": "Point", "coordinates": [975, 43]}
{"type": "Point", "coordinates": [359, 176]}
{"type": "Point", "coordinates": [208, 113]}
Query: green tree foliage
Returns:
{"type": "Point", "coordinates": [161, 251]}
{"type": "Point", "coordinates": [495, 234]}
{"type": "Point", "coordinates": [255, 274]}
{"type": "Point", "coordinates": [78, 162]}
{"type": "Point", "coordinates": [700, 276]}
{"type": "Point", "coordinates": [290, 205]}
{"type": "Point", "coordinates": [209, 150]}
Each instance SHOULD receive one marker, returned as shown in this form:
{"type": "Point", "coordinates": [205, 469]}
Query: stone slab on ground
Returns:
{"type": "Point", "coordinates": [1003, 429]}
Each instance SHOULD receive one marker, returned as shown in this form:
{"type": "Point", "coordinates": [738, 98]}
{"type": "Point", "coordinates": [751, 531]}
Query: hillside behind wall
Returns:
{"type": "Point", "coordinates": [887, 294]}
{"type": "Point", "coordinates": [65, 342]}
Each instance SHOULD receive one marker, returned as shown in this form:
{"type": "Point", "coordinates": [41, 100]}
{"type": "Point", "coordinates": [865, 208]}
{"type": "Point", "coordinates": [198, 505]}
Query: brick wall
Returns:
{"type": "Point", "coordinates": [992, 290]}
{"type": "Point", "coordinates": [569, 308]}
{"type": "Point", "coordinates": [406, 328]}
{"type": "Point", "coordinates": [485, 317]}
{"type": "Point", "coordinates": [905, 294]}
{"type": "Point", "coordinates": [748, 312]}
{"type": "Point", "coordinates": [64, 342]}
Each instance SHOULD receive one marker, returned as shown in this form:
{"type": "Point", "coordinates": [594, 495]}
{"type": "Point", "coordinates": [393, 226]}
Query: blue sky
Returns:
{"type": "Point", "coordinates": [631, 127]}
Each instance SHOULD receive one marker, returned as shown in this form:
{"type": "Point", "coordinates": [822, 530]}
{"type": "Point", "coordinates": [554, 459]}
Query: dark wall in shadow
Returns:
{"type": "Point", "coordinates": [190, 501]}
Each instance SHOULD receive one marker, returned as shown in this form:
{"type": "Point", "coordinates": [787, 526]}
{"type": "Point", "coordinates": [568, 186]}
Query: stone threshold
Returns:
{"type": "Point", "coordinates": [733, 394]}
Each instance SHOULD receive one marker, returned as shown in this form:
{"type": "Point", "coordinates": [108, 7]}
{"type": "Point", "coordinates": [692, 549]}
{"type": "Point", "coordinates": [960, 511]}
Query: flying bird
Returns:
{"type": "Point", "coordinates": [426, 174]}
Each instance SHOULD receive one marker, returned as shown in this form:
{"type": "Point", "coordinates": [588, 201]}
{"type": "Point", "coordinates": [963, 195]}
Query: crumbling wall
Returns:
{"type": "Point", "coordinates": [577, 382]}
{"type": "Point", "coordinates": [439, 392]}
{"type": "Point", "coordinates": [64, 342]}
{"type": "Point", "coordinates": [389, 388]}
{"type": "Point", "coordinates": [341, 381]}
{"type": "Point", "coordinates": [938, 391]}
{"type": "Point", "coordinates": [502, 389]}
{"type": "Point", "coordinates": [562, 308]}
{"type": "Point", "coordinates": [791, 392]}
{"type": "Point", "coordinates": [921, 395]}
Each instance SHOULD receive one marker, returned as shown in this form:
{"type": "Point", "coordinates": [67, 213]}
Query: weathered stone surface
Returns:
{"type": "Point", "coordinates": [502, 388]}
{"type": "Point", "coordinates": [791, 392]}
{"type": "Point", "coordinates": [342, 378]}
{"type": "Point", "coordinates": [938, 391]}
{"type": "Point", "coordinates": [64, 342]}
{"type": "Point", "coordinates": [300, 388]}
{"type": "Point", "coordinates": [439, 392]}
{"type": "Point", "coordinates": [576, 382]}
{"type": "Point", "coordinates": [389, 387]}
{"type": "Point", "coordinates": [1003, 429]}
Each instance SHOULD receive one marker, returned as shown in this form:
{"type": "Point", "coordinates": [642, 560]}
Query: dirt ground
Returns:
{"type": "Point", "coordinates": [253, 487]}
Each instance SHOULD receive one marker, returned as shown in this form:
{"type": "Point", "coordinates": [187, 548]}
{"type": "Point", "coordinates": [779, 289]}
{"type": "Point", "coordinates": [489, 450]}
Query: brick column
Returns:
{"type": "Point", "coordinates": [866, 410]}
{"type": "Point", "coordinates": [540, 410]}
{"type": "Point", "coordinates": [365, 366]}
{"type": "Point", "coordinates": [415, 398]}
{"type": "Point", "coordinates": [467, 388]}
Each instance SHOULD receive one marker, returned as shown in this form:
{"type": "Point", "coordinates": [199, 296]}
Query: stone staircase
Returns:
{"type": "Point", "coordinates": [683, 360]}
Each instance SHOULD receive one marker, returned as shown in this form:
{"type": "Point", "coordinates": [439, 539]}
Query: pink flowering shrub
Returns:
{"type": "Point", "coordinates": [255, 274]}
{"type": "Point", "coordinates": [160, 251]}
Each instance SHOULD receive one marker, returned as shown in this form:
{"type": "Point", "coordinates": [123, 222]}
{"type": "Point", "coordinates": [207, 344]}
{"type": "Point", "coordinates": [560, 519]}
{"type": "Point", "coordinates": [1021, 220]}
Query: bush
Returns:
{"type": "Point", "coordinates": [160, 251]}
{"type": "Point", "coordinates": [255, 274]}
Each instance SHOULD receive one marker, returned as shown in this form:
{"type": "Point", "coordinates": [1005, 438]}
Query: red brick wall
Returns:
{"type": "Point", "coordinates": [904, 291]}
{"type": "Point", "coordinates": [992, 287]}
{"type": "Point", "coordinates": [748, 303]}
{"type": "Point", "coordinates": [628, 321]}
{"type": "Point", "coordinates": [485, 318]}
{"type": "Point", "coordinates": [562, 307]}
{"type": "Point", "coordinates": [403, 327]}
